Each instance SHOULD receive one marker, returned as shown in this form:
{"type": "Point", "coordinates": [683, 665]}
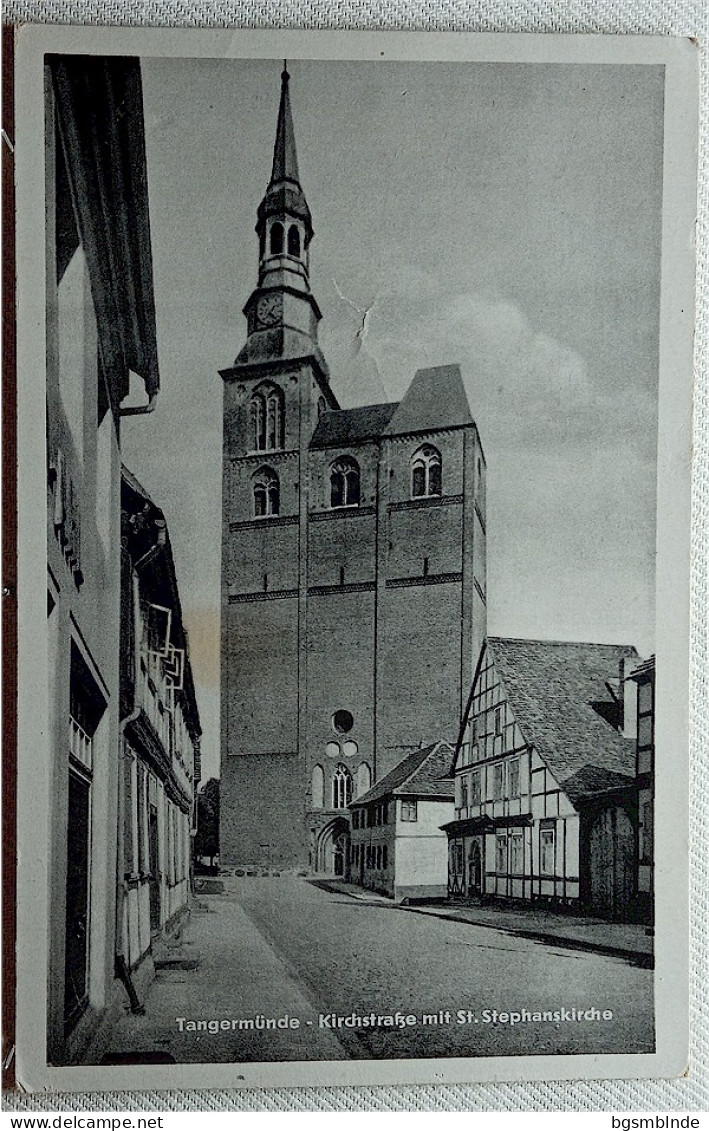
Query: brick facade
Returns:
{"type": "Point", "coordinates": [372, 605]}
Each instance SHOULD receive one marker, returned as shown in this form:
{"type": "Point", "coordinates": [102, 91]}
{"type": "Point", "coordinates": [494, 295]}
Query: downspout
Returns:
{"type": "Point", "coordinates": [121, 966]}
{"type": "Point", "coordinates": [122, 970]}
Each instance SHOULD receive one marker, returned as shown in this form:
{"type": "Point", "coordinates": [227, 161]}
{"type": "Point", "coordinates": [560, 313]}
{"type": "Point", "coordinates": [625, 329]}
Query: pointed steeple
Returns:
{"type": "Point", "coordinates": [282, 313]}
{"type": "Point", "coordinates": [285, 157]}
{"type": "Point", "coordinates": [284, 196]}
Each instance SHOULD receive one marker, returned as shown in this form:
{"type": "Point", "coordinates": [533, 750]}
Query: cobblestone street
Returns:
{"type": "Point", "coordinates": [283, 947]}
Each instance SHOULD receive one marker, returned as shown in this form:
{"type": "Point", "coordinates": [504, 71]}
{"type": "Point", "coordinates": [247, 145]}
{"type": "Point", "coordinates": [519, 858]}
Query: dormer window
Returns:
{"type": "Point", "coordinates": [426, 472]}
{"type": "Point", "coordinates": [267, 497]}
{"type": "Point", "coordinates": [344, 483]}
{"type": "Point", "coordinates": [267, 419]}
{"type": "Point", "coordinates": [277, 238]}
{"type": "Point", "coordinates": [294, 241]}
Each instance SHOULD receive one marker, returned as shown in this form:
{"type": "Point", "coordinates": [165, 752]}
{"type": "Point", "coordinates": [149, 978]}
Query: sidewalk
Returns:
{"type": "Point", "coordinates": [225, 970]}
{"type": "Point", "coordinates": [629, 941]}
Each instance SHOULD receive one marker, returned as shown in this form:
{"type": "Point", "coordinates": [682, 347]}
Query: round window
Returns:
{"type": "Point", "coordinates": [349, 749]}
{"type": "Point", "coordinates": [342, 722]}
{"type": "Point", "coordinates": [333, 750]}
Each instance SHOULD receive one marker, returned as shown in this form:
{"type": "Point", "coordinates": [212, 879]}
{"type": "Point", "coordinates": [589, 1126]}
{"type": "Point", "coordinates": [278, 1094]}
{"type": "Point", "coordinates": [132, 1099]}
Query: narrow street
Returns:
{"type": "Point", "coordinates": [280, 947]}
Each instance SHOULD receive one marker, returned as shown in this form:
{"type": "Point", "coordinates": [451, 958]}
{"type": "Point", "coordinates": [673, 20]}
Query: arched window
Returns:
{"type": "Point", "coordinates": [267, 419]}
{"type": "Point", "coordinates": [257, 424]}
{"type": "Point", "coordinates": [293, 241]}
{"type": "Point", "coordinates": [344, 483]}
{"type": "Point", "coordinates": [426, 472]}
{"type": "Point", "coordinates": [322, 406]}
{"type": "Point", "coordinates": [318, 789]}
{"type": "Point", "coordinates": [277, 238]}
{"type": "Point", "coordinates": [341, 787]}
{"type": "Point", "coordinates": [364, 778]}
{"type": "Point", "coordinates": [267, 496]}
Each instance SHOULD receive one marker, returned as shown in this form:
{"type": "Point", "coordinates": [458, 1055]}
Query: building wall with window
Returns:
{"type": "Point", "coordinates": [161, 736]}
{"type": "Point", "coordinates": [356, 585]}
{"type": "Point", "coordinates": [100, 326]}
{"type": "Point", "coordinates": [639, 704]}
{"type": "Point", "coordinates": [398, 847]}
{"type": "Point", "coordinates": [543, 779]}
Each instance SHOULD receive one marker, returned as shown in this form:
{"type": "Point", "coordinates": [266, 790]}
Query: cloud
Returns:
{"type": "Point", "coordinates": [524, 385]}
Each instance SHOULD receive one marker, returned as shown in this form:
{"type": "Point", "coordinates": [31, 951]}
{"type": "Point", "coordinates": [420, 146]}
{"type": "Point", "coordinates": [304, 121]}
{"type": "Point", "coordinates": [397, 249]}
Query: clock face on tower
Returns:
{"type": "Point", "coordinates": [269, 309]}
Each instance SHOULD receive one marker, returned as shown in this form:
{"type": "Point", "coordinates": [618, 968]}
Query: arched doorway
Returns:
{"type": "Point", "coordinates": [333, 847]}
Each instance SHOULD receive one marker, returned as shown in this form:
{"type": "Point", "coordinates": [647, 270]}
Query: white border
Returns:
{"type": "Point", "coordinates": [677, 313]}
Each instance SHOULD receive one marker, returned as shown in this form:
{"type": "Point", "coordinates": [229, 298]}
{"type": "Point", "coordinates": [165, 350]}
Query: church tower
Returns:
{"type": "Point", "coordinates": [353, 564]}
{"type": "Point", "coordinates": [272, 397]}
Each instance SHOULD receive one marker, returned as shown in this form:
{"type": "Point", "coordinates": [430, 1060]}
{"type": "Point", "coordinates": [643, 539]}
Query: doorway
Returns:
{"type": "Point", "coordinates": [475, 868]}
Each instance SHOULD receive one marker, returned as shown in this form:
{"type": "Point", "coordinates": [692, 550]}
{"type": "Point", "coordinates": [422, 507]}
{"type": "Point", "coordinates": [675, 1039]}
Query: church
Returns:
{"type": "Point", "coordinates": [353, 565]}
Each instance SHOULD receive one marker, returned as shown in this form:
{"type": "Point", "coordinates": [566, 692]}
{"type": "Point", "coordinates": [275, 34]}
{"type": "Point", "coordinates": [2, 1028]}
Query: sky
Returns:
{"type": "Point", "coordinates": [506, 217]}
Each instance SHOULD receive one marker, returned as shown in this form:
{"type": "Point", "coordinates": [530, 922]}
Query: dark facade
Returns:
{"type": "Point", "coordinates": [353, 563]}
{"type": "Point", "coordinates": [100, 324]}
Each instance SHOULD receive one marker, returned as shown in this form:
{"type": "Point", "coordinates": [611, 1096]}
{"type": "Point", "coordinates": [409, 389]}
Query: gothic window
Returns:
{"type": "Point", "coordinates": [341, 787]}
{"type": "Point", "coordinates": [364, 778]}
{"type": "Point", "coordinates": [257, 424]}
{"type": "Point", "coordinates": [267, 419]}
{"type": "Point", "coordinates": [318, 790]}
{"type": "Point", "coordinates": [322, 406]}
{"type": "Point", "coordinates": [267, 498]}
{"type": "Point", "coordinates": [426, 472]}
{"type": "Point", "coordinates": [277, 239]}
{"type": "Point", "coordinates": [293, 241]}
{"type": "Point", "coordinates": [344, 483]}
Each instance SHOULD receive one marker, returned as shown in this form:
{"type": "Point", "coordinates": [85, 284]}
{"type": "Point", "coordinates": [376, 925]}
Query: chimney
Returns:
{"type": "Point", "coordinates": [628, 693]}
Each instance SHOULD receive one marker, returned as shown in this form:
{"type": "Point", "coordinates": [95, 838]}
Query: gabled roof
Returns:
{"type": "Point", "coordinates": [346, 426]}
{"type": "Point", "coordinates": [435, 399]}
{"type": "Point", "coordinates": [148, 541]}
{"type": "Point", "coordinates": [423, 773]}
{"type": "Point", "coordinates": [560, 699]}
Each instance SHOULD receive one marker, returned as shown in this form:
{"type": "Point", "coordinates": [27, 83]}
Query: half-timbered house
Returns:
{"type": "Point", "coordinates": [545, 779]}
{"type": "Point", "coordinates": [160, 738]}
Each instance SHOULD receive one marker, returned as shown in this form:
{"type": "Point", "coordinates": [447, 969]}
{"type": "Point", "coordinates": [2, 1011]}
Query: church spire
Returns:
{"type": "Point", "coordinates": [282, 312]}
{"type": "Point", "coordinates": [285, 157]}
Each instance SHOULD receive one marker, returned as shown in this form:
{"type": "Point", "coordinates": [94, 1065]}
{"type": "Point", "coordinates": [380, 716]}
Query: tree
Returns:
{"type": "Point", "coordinates": [207, 835]}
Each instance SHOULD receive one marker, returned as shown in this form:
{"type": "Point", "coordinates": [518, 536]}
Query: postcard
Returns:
{"type": "Point", "coordinates": [353, 414]}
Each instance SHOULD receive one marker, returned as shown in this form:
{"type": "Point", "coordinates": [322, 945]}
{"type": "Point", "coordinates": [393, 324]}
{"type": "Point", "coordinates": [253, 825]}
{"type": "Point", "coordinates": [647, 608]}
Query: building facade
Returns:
{"type": "Point", "coordinates": [639, 701]}
{"type": "Point", "coordinates": [545, 779]}
{"type": "Point", "coordinates": [100, 325]}
{"type": "Point", "coordinates": [353, 564]}
{"type": "Point", "coordinates": [160, 750]}
{"type": "Point", "coordinates": [398, 845]}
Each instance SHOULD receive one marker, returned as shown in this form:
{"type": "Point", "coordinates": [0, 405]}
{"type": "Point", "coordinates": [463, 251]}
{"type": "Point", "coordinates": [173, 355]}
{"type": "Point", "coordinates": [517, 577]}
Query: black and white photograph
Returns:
{"type": "Point", "coordinates": [353, 734]}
